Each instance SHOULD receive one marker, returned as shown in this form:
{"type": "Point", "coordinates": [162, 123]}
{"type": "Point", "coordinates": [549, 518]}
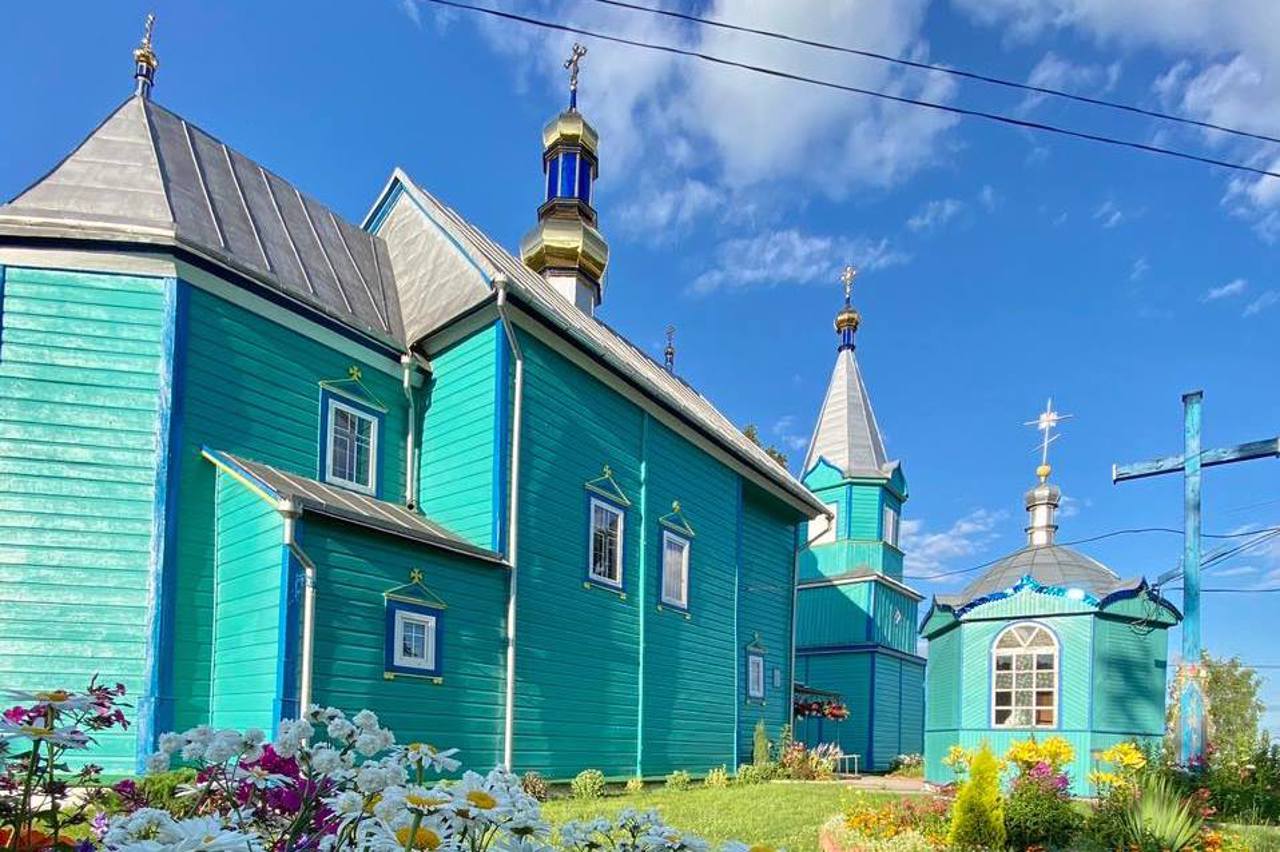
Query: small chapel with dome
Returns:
{"type": "Point", "coordinates": [1047, 642]}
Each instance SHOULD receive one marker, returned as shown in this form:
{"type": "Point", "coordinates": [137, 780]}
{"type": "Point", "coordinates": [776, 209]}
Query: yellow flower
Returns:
{"type": "Point", "coordinates": [423, 838]}
{"type": "Point", "coordinates": [481, 799]}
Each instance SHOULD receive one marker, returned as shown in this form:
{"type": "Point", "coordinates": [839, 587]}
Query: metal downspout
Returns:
{"type": "Point", "coordinates": [643, 586]}
{"type": "Point", "coordinates": [501, 283]}
{"type": "Point", "coordinates": [291, 512]}
{"type": "Point", "coordinates": [411, 463]}
{"type": "Point", "coordinates": [795, 594]}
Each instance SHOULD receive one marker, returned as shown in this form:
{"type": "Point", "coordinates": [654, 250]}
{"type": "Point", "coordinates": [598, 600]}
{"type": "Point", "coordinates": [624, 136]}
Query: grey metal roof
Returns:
{"type": "Point", "coordinates": [1048, 565]}
{"type": "Point", "coordinates": [311, 495]}
{"type": "Point", "coordinates": [442, 246]}
{"type": "Point", "coordinates": [147, 175]}
{"type": "Point", "coordinates": [847, 435]}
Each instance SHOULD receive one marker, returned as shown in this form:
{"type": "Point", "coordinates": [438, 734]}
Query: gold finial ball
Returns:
{"type": "Point", "coordinates": [1043, 472]}
{"type": "Point", "coordinates": [848, 318]}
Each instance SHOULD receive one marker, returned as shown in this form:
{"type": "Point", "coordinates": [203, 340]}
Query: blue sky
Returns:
{"type": "Point", "coordinates": [999, 268]}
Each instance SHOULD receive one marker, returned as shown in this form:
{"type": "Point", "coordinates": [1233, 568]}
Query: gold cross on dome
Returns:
{"type": "Point", "coordinates": [571, 65]}
{"type": "Point", "coordinates": [846, 278]}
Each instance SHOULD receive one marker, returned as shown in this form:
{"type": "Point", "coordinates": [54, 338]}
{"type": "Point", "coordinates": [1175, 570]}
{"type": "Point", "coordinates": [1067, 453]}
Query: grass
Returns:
{"type": "Point", "coordinates": [780, 814]}
{"type": "Point", "coordinates": [1261, 838]}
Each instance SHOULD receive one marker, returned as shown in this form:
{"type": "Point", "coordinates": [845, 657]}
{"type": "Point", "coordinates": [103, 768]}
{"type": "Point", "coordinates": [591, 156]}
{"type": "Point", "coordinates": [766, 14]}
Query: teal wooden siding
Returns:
{"type": "Point", "coordinates": [895, 619]}
{"type": "Point", "coordinates": [848, 674]}
{"type": "Point", "coordinates": [862, 521]}
{"type": "Point", "coordinates": [841, 557]}
{"type": "Point", "coordinates": [252, 388]}
{"type": "Point", "coordinates": [354, 567]}
{"type": "Point", "coordinates": [764, 607]}
{"type": "Point", "coordinates": [1129, 678]}
{"type": "Point", "coordinates": [249, 594]}
{"type": "Point", "coordinates": [943, 693]}
{"type": "Point", "coordinates": [459, 485]}
{"type": "Point", "coordinates": [898, 696]}
{"type": "Point", "coordinates": [911, 725]}
{"type": "Point", "coordinates": [81, 436]}
{"type": "Point", "coordinates": [834, 615]}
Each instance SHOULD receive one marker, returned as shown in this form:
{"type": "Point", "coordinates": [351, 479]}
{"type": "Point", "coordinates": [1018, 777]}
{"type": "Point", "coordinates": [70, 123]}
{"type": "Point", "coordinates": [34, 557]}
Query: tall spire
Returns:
{"type": "Point", "coordinates": [847, 435]}
{"type": "Point", "coordinates": [565, 247]}
{"type": "Point", "coordinates": [145, 62]}
{"type": "Point", "coordinates": [1043, 499]}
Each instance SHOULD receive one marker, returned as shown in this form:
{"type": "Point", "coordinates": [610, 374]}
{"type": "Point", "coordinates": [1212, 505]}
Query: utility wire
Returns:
{"type": "Point", "coordinates": [941, 69]}
{"type": "Point", "coordinates": [1024, 124]}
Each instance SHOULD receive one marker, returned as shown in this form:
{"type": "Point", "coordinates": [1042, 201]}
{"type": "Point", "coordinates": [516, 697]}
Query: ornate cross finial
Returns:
{"type": "Point", "coordinates": [353, 372]}
{"type": "Point", "coordinates": [571, 65]}
{"type": "Point", "coordinates": [846, 278]}
{"type": "Point", "coordinates": [669, 354]}
{"type": "Point", "coordinates": [145, 61]}
{"type": "Point", "coordinates": [1046, 423]}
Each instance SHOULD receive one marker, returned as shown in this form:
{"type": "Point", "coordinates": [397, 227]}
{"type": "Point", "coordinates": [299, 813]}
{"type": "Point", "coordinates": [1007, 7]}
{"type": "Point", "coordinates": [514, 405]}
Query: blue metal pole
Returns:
{"type": "Point", "coordinates": [1192, 699]}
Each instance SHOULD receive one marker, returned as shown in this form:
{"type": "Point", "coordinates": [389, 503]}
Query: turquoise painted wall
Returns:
{"type": "Point", "coordinates": [268, 375]}
{"type": "Point", "coordinates": [582, 700]}
{"type": "Point", "coordinates": [833, 615]}
{"type": "Point", "coordinates": [250, 591]}
{"type": "Point", "coordinates": [848, 674]}
{"type": "Point", "coordinates": [354, 568]}
{"type": "Point", "coordinates": [1129, 672]}
{"type": "Point", "coordinates": [81, 441]}
{"type": "Point", "coordinates": [895, 619]}
{"type": "Point", "coordinates": [459, 485]}
{"type": "Point", "coordinates": [942, 696]}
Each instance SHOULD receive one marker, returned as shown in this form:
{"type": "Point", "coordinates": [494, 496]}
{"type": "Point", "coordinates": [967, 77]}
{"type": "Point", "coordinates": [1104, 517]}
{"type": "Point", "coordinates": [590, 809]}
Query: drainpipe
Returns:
{"type": "Point", "coordinates": [501, 283]}
{"type": "Point", "coordinates": [795, 593]}
{"type": "Point", "coordinates": [291, 513]}
{"type": "Point", "coordinates": [411, 463]}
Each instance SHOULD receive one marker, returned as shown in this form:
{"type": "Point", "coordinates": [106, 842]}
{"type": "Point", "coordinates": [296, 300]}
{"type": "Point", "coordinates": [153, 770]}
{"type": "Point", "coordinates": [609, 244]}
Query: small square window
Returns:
{"type": "Point", "coordinates": [605, 544]}
{"type": "Point", "coordinates": [350, 445]}
{"type": "Point", "coordinates": [890, 524]}
{"type": "Point", "coordinates": [675, 570]}
{"type": "Point", "coordinates": [413, 639]}
{"type": "Point", "coordinates": [755, 676]}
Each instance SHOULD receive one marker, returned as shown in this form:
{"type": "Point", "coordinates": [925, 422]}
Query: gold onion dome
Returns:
{"type": "Point", "coordinates": [848, 320]}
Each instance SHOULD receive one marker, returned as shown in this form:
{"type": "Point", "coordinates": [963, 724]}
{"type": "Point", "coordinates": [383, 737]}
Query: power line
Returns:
{"type": "Point", "coordinates": [1021, 123]}
{"type": "Point", "coordinates": [941, 69]}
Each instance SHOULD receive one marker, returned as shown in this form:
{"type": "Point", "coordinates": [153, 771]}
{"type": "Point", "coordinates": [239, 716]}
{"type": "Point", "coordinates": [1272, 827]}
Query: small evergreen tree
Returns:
{"type": "Point", "coordinates": [760, 745]}
{"type": "Point", "coordinates": [977, 820]}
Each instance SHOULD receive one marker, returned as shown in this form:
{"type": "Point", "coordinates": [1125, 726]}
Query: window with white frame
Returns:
{"type": "Point", "coordinates": [605, 565]}
{"type": "Point", "coordinates": [1024, 686]}
{"type": "Point", "coordinates": [822, 531]}
{"type": "Point", "coordinates": [675, 570]}
{"type": "Point", "coordinates": [755, 676]}
{"type": "Point", "coordinates": [890, 525]}
{"type": "Point", "coordinates": [351, 447]}
{"type": "Point", "coordinates": [414, 640]}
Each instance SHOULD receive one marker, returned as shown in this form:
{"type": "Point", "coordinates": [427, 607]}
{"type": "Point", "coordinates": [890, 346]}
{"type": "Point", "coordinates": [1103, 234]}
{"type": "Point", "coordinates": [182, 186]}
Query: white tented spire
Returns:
{"type": "Point", "coordinates": [847, 435]}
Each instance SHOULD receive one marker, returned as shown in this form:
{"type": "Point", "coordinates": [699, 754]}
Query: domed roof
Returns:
{"type": "Point", "coordinates": [1048, 565]}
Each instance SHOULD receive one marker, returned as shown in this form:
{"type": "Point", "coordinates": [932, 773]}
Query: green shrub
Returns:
{"type": "Point", "coordinates": [635, 785]}
{"type": "Point", "coordinates": [159, 790]}
{"type": "Point", "coordinates": [679, 780]}
{"type": "Point", "coordinates": [587, 784]}
{"type": "Point", "coordinates": [718, 778]}
{"type": "Point", "coordinates": [1105, 824]}
{"type": "Point", "coordinates": [760, 745]}
{"type": "Point", "coordinates": [535, 785]}
{"type": "Point", "coordinates": [907, 766]}
{"type": "Point", "coordinates": [757, 773]}
{"type": "Point", "coordinates": [1160, 819]}
{"type": "Point", "coordinates": [977, 821]}
{"type": "Point", "coordinates": [1040, 813]}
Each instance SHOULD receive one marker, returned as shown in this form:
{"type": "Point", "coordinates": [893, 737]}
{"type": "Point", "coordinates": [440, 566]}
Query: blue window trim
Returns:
{"type": "Point", "coordinates": [991, 680]}
{"type": "Point", "coordinates": [662, 569]}
{"type": "Point", "coordinates": [395, 606]}
{"type": "Point", "coordinates": [379, 418]}
{"type": "Point", "coordinates": [764, 679]}
{"type": "Point", "coordinates": [594, 496]}
{"type": "Point", "coordinates": [553, 177]}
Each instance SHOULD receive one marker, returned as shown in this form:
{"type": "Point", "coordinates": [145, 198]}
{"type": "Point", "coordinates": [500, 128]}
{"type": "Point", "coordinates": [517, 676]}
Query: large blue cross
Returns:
{"type": "Point", "coordinates": [1191, 700]}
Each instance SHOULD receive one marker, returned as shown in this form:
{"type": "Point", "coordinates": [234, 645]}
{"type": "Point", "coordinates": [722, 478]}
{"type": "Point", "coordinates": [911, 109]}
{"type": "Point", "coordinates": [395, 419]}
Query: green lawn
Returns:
{"type": "Point", "coordinates": [1261, 838]}
{"type": "Point", "coordinates": [781, 814]}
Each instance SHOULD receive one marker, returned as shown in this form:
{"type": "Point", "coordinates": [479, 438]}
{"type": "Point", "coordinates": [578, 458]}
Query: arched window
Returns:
{"type": "Point", "coordinates": [1024, 686]}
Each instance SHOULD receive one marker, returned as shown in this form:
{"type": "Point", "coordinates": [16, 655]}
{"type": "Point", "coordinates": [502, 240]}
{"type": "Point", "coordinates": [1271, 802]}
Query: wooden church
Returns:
{"type": "Point", "coordinates": [1047, 642]}
{"type": "Point", "coordinates": [256, 457]}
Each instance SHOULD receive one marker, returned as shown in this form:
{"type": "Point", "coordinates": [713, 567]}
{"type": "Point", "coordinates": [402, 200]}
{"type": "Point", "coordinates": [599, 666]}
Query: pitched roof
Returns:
{"type": "Point", "coordinates": [1049, 565]}
{"type": "Point", "coordinates": [147, 175]}
{"type": "Point", "coordinates": [847, 435]}
{"type": "Point", "coordinates": [311, 495]}
{"type": "Point", "coordinates": [471, 260]}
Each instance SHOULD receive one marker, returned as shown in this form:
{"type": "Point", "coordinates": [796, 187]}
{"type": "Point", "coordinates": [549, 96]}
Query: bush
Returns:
{"type": "Point", "coordinates": [907, 766]}
{"type": "Point", "coordinates": [717, 778]}
{"type": "Point", "coordinates": [535, 785]}
{"type": "Point", "coordinates": [1039, 812]}
{"type": "Point", "coordinates": [1248, 792]}
{"type": "Point", "coordinates": [679, 780]}
{"type": "Point", "coordinates": [1160, 820]}
{"type": "Point", "coordinates": [587, 784]}
{"type": "Point", "coordinates": [869, 821]}
{"type": "Point", "coordinates": [635, 785]}
{"type": "Point", "coordinates": [760, 745]}
{"type": "Point", "coordinates": [802, 764]}
{"type": "Point", "coordinates": [977, 820]}
{"type": "Point", "coordinates": [757, 773]}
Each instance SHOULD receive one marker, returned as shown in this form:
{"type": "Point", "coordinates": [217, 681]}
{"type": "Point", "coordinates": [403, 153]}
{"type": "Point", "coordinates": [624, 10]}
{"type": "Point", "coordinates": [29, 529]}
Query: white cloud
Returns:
{"type": "Point", "coordinates": [1226, 291]}
{"type": "Point", "coordinates": [1224, 69]}
{"type": "Point", "coordinates": [660, 213]}
{"type": "Point", "coordinates": [1139, 269]}
{"type": "Point", "coordinates": [790, 257]}
{"type": "Point", "coordinates": [1266, 300]}
{"type": "Point", "coordinates": [930, 554]}
{"type": "Point", "coordinates": [935, 214]}
{"type": "Point", "coordinates": [1054, 72]}
{"type": "Point", "coordinates": [728, 132]}
{"type": "Point", "coordinates": [987, 197]}
{"type": "Point", "coordinates": [786, 429]}
{"type": "Point", "coordinates": [1108, 214]}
